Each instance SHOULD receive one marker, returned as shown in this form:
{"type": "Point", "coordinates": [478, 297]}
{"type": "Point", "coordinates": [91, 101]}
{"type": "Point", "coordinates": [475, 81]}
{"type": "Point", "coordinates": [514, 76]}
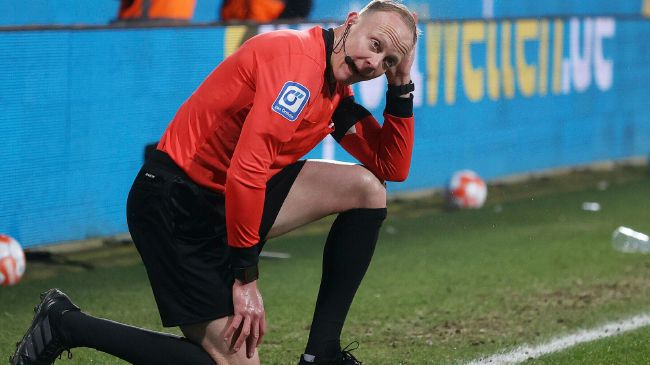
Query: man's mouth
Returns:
{"type": "Point", "coordinates": [353, 67]}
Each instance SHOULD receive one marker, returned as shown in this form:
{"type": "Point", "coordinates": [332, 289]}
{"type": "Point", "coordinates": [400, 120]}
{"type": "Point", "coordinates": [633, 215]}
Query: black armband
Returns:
{"type": "Point", "coordinates": [347, 114]}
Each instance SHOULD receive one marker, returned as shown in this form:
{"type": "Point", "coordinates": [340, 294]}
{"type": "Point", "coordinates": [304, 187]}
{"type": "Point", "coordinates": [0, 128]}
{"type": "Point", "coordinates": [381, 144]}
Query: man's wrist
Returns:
{"type": "Point", "coordinates": [240, 283]}
{"type": "Point", "coordinates": [400, 80]}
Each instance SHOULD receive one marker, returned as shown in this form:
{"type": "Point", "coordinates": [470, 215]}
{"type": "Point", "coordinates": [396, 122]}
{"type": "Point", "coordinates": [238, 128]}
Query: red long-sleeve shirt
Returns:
{"type": "Point", "coordinates": [263, 108]}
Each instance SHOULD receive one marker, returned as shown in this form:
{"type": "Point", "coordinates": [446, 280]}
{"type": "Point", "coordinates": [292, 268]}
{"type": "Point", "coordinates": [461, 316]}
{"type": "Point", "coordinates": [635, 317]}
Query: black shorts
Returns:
{"type": "Point", "coordinates": [179, 229]}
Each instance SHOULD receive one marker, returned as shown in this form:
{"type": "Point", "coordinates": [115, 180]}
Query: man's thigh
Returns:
{"type": "Point", "coordinates": [326, 187]}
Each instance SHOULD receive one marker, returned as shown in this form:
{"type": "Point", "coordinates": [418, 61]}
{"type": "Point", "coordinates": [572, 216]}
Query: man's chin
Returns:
{"type": "Point", "coordinates": [354, 78]}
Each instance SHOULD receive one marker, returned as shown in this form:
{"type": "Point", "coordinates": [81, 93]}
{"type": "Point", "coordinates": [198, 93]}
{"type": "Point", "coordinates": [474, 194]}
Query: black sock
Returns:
{"type": "Point", "coordinates": [348, 251]}
{"type": "Point", "coordinates": [135, 345]}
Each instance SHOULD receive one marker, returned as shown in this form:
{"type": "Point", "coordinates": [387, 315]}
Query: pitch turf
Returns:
{"type": "Point", "coordinates": [628, 348]}
{"type": "Point", "coordinates": [444, 287]}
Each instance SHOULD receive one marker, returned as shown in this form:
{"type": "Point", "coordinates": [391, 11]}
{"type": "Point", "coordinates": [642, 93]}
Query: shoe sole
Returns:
{"type": "Point", "coordinates": [37, 311]}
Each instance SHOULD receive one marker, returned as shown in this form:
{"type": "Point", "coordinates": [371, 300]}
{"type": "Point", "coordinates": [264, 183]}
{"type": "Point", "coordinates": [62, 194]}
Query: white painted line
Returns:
{"type": "Point", "coordinates": [275, 255]}
{"type": "Point", "coordinates": [523, 353]}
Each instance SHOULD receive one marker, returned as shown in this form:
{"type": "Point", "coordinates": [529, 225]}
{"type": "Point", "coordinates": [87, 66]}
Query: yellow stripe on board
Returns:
{"type": "Point", "coordinates": [433, 61]}
{"type": "Point", "coordinates": [558, 51]}
{"type": "Point", "coordinates": [526, 30]}
{"type": "Point", "coordinates": [233, 39]}
{"type": "Point", "coordinates": [506, 60]}
{"type": "Point", "coordinates": [451, 61]}
{"type": "Point", "coordinates": [543, 58]}
{"type": "Point", "coordinates": [473, 32]}
{"type": "Point", "coordinates": [492, 69]}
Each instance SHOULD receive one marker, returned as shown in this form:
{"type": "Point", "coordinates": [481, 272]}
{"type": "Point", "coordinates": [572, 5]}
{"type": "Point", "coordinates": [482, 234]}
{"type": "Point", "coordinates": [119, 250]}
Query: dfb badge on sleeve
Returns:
{"type": "Point", "coordinates": [291, 100]}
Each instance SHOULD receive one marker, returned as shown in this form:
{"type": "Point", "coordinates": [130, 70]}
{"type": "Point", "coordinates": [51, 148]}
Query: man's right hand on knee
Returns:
{"type": "Point", "coordinates": [249, 318]}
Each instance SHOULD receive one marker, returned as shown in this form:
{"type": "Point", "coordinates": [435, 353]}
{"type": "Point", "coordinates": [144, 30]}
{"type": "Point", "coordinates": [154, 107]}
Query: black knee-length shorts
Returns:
{"type": "Point", "coordinates": [179, 229]}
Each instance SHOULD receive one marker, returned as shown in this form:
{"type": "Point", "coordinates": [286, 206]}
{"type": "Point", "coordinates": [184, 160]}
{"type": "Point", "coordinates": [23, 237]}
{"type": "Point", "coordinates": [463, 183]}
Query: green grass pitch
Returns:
{"type": "Point", "coordinates": [445, 287]}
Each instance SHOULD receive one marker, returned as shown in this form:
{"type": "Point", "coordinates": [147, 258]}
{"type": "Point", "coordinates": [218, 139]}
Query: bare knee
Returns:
{"type": "Point", "coordinates": [370, 192]}
{"type": "Point", "coordinates": [202, 335]}
{"type": "Point", "coordinates": [210, 335]}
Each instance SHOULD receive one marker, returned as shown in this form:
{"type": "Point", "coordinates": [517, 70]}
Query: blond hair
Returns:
{"type": "Point", "coordinates": [397, 7]}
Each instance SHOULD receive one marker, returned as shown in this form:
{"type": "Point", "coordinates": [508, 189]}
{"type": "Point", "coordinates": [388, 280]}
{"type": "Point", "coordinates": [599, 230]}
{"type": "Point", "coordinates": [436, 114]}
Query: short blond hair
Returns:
{"type": "Point", "coordinates": [397, 7]}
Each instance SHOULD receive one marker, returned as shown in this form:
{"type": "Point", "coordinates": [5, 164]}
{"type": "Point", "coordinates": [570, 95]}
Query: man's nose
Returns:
{"type": "Point", "coordinates": [372, 64]}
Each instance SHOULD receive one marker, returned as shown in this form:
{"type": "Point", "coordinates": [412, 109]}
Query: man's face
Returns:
{"type": "Point", "coordinates": [376, 42]}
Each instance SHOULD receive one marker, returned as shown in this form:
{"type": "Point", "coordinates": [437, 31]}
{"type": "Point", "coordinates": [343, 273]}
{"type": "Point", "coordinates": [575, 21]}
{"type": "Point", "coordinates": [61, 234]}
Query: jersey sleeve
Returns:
{"type": "Point", "coordinates": [283, 89]}
{"type": "Point", "coordinates": [384, 149]}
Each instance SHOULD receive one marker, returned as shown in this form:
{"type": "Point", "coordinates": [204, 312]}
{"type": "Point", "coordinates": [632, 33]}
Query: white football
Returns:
{"type": "Point", "coordinates": [466, 190]}
{"type": "Point", "coordinates": [12, 261]}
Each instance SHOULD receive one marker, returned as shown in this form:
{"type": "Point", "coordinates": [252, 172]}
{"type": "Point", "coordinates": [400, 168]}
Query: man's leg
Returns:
{"type": "Point", "coordinates": [59, 325]}
{"type": "Point", "coordinates": [203, 345]}
{"type": "Point", "coordinates": [322, 189]}
{"type": "Point", "coordinates": [133, 344]}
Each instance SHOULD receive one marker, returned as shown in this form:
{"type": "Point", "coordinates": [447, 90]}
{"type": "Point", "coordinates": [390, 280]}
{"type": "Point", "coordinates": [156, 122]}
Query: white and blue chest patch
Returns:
{"type": "Point", "coordinates": [292, 99]}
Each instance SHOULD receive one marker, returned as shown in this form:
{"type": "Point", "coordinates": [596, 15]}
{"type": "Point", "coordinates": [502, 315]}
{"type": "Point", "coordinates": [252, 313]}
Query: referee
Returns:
{"type": "Point", "coordinates": [227, 176]}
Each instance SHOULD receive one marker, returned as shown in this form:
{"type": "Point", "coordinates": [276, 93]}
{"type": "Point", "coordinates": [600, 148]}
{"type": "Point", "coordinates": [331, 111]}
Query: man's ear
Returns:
{"type": "Point", "coordinates": [352, 18]}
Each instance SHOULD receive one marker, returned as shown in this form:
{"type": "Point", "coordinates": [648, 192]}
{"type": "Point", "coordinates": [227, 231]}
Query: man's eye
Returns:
{"type": "Point", "coordinates": [375, 44]}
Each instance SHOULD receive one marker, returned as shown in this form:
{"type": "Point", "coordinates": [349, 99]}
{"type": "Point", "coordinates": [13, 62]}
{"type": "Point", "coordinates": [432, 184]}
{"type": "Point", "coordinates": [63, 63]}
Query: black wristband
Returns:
{"type": "Point", "coordinates": [244, 256]}
{"type": "Point", "coordinates": [246, 274]}
{"type": "Point", "coordinates": [399, 107]}
{"type": "Point", "coordinates": [399, 90]}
